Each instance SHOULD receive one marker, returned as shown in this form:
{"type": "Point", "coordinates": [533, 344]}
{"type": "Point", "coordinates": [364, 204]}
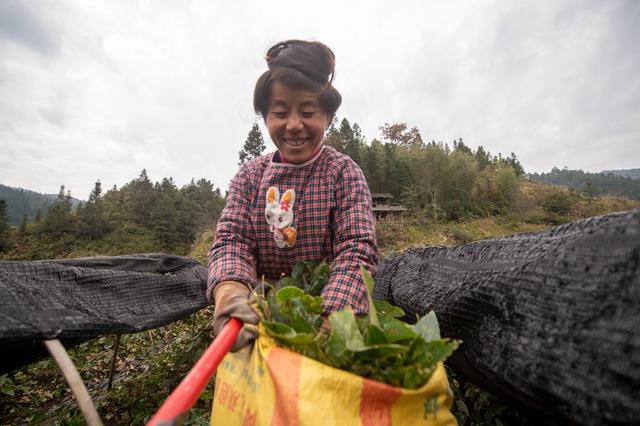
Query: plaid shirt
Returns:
{"type": "Point", "coordinates": [332, 216]}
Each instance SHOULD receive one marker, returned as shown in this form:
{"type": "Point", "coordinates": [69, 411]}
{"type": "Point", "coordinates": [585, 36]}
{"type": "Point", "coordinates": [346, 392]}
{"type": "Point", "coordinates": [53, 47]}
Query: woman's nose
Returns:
{"type": "Point", "coordinates": [294, 122]}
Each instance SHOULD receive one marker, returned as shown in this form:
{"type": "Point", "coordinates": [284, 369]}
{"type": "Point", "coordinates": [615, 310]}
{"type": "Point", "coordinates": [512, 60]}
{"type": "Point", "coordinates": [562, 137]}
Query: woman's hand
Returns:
{"type": "Point", "coordinates": [326, 325]}
{"type": "Point", "coordinates": [232, 300]}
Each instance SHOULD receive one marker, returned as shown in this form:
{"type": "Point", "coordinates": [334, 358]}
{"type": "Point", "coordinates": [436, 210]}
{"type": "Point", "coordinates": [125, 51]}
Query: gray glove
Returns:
{"type": "Point", "coordinates": [232, 300]}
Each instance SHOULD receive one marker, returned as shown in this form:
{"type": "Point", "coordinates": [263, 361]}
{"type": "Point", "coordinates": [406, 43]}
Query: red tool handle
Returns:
{"type": "Point", "coordinates": [186, 394]}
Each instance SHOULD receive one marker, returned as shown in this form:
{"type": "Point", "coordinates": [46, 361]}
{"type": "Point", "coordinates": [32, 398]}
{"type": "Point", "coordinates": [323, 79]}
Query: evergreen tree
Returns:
{"type": "Point", "coordinates": [93, 222]}
{"type": "Point", "coordinates": [397, 171]}
{"type": "Point", "coordinates": [333, 138]}
{"type": "Point", "coordinates": [138, 198]}
{"type": "Point", "coordinates": [202, 203]}
{"type": "Point", "coordinates": [460, 146]}
{"type": "Point", "coordinates": [350, 141]}
{"type": "Point", "coordinates": [589, 190]}
{"type": "Point", "coordinates": [513, 161]}
{"type": "Point", "coordinates": [253, 147]}
{"type": "Point", "coordinates": [4, 226]}
{"type": "Point", "coordinates": [117, 212]}
{"type": "Point", "coordinates": [22, 229]}
{"type": "Point", "coordinates": [165, 217]}
{"type": "Point", "coordinates": [482, 157]}
{"type": "Point", "coordinates": [375, 171]}
{"type": "Point", "coordinates": [59, 219]}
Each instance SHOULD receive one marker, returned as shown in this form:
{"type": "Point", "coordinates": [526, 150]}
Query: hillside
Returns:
{"type": "Point", "coordinates": [629, 173]}
{"type": "Point", "coordinates": [592, 184]}
{"type": "Point", "coordinates": [22, 202]}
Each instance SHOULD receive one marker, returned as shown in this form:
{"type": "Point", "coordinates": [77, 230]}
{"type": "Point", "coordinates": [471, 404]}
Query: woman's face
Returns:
{"type": "Point", "coordinates": [296, 122]}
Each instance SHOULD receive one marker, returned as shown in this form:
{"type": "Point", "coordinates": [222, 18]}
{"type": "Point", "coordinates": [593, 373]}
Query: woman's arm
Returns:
{"type": "Point", "coordinates": [354, 242]}
{"type": "Point", "coordinates": [232, 255]}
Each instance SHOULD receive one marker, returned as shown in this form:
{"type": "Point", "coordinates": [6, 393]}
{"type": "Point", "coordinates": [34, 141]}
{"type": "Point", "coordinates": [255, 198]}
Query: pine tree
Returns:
{"type": "Point", "coordinates": [375, 162]}
{"type": "Point", "coordinates": [332, 137]}
{"type": "Point", "coordinates": [93, 222]}
{"type": "Point", "coordinates": [165, 217]}
{"type": "Point", "coordinates": [59, 218]}
{"type": "Point", "coordinates": [138, 199]}
{"type": "Point", "coordinates": [253, 146]}
{"type": "Point", "coordinates": [482, 157]}
{"type": "Point", "coordinates": [201, 204]}
{"type": "Point", "coordinates": [589, 190]}
{"type": "Point", "coordinates": [460, 146]}
{"type": "Point", "coordinates": [513, 161]}
{"type": "Point", "coordinates": [350, 140]}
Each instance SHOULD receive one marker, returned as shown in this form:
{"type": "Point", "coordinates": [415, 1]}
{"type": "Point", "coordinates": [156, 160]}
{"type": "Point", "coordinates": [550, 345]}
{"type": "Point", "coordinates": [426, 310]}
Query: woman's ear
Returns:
{"type": "Point", "coordinates": [327, 121]}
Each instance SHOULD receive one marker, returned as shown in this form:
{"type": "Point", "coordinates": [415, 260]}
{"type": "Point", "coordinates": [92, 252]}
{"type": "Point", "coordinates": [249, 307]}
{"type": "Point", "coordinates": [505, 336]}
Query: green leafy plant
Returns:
{"type": "Point", "coordinates": [378, 345]}
{"type": "Point", "coordinates": [309, 276]}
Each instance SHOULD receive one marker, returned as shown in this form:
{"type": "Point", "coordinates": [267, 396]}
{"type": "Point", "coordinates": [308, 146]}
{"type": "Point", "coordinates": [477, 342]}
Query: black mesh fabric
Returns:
{"type": "Point", "coordinates": [549, 320]}
{"type": "Point", "coordinates": [78, 299]}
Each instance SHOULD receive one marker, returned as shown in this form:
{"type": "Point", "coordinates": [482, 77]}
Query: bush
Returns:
{"type": "Point", "coordinates": [558, 203]}
{"type": "Point", "coordinates": [461, 236]}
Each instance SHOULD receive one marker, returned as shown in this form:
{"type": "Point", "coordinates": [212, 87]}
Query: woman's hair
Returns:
{"type": "Point", "coordinates": [307, 65]}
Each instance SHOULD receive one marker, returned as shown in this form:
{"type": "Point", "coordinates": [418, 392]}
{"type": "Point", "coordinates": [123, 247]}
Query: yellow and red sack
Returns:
{"type": "Point", "coordinates": [269, 385]}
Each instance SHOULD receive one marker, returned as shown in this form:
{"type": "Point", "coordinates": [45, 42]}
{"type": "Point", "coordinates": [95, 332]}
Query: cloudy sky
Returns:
{"type": "Point", "coordinates": [102, 89]}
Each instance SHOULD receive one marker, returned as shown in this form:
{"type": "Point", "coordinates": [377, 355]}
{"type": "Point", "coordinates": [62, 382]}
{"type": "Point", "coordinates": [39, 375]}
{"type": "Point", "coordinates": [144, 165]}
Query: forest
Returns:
{"type": "Point", "coordinates": [438, 182]}
{"type": "Point", "coordinates": [141, 216]}
{"type": "Point", "coordinates": [623, 183]}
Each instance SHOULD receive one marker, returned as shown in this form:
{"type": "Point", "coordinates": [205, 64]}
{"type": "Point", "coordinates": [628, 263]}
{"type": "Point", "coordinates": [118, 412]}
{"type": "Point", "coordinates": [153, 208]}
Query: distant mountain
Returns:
{"type": "Point", "coordinates": [592, 183]}
{"type": "Point", "coordinates": [629, 173]}
{"type": "Point", "coordinates": [23, 201]}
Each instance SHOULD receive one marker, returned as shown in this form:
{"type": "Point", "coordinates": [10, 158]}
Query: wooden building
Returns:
{"type": "Point", "coordinates": [383, 210]}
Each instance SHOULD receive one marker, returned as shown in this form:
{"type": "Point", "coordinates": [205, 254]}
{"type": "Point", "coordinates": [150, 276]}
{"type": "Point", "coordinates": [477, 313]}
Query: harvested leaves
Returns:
{"type": "Point", "coordinates": [378, 345]}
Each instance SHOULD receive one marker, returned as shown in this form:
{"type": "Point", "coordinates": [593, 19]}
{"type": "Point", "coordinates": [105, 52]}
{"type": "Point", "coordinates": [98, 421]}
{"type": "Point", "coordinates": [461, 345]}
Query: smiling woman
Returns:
{"type": "Point", "coordinates": [296, 121]}
{"type": "Point", "coordinates": [296, 99]}
{"type": "Point", "coordinates": [303, 65]}
{"type": "Point", "coordinates": [304, 202]}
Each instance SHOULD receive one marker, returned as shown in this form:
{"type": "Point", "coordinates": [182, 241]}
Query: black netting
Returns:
{"type": "Point", "coordinates": [550, 320]}
{"type": "Point", "coordinates": [78, 299]}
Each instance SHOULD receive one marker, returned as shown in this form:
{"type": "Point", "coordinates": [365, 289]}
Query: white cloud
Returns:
{"type": "Point", "coordinates": [101, 89]}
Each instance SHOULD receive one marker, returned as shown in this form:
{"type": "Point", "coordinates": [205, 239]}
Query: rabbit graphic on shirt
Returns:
{"type": "Point", "coordinates": [279, 215]}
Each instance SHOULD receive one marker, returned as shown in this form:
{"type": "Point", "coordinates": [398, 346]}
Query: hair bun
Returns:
{"type": "Point", "coordinates": [311, 58]}
{"type": "Point", "coordinates": [307, 65]}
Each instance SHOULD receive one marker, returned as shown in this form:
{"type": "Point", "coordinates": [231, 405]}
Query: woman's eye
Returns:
{"type": "Point", "coordinates": [308, 114]}
{"type": "Point", "coordinates": [280, 114]}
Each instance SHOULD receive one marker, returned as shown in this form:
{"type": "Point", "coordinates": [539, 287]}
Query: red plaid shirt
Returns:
{"type": "Point", "coordinates": [332, 216]}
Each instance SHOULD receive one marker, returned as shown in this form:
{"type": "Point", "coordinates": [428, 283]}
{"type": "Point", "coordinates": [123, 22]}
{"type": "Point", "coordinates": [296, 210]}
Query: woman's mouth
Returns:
{"type": "Point", "coordinates": [295, 142]}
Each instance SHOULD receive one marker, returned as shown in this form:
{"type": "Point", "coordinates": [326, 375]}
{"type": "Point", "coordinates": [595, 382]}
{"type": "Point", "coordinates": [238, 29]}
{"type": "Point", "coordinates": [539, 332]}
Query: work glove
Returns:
{"type": "Point", "coordinates": [326, 325]}
{"type": "Point", "coordinates": [232, 300]}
